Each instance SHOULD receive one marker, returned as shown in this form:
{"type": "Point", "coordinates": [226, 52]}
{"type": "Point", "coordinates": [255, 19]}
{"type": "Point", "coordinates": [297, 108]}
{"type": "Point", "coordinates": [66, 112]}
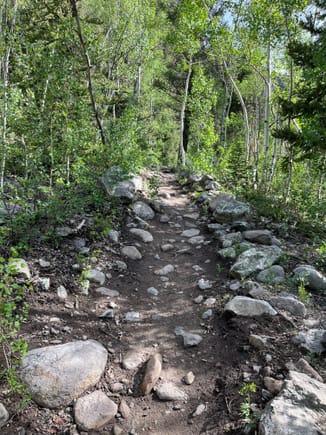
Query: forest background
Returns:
{"type": "Point", "coordinates": [234, 88]}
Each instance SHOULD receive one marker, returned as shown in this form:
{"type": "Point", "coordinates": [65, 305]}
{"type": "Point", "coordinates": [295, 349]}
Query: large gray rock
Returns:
{"type": "Point", "coordinates": [55, 375]}
{"type": "Point", "coordinates": [316, 280]}
{"type": "Point", "coordinates": [299, 409]}
{"type": "Point", "coordinates": [94, 411]}
{"type": "Point", "coordinates": [272, 275]}
{"type": "Point", "coordinates": [255, 260]}
{"type": "Point", "coordinates": [289, 304]}
{"type": "Point", "coordinates": [244, 306]}
{"type": "Point", "coordinates": [313, 340]}
{"type": "Point", "coordinates": [117, 184]}
{"type": "Point", "coordinates": [143, 210]}
{"type": "Point", "coordinates": [259, 236]}
{"type": "Point", "coordinates": [227, 209]}
{"type": "Point", "coordinates": [144, 236]}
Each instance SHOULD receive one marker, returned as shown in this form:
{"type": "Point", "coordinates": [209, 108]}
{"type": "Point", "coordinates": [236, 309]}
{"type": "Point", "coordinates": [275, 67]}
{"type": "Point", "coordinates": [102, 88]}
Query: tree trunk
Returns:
{"type": "Point", "coordinates": [182, 151]}
{"type": "Point", "coordinates": [267, 113]}
{"type": "Point", "coordinates": [75, 15]}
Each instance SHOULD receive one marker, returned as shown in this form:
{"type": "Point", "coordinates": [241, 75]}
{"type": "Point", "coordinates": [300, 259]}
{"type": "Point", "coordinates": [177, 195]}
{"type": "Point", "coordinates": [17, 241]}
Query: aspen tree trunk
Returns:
{"type": "Point", "coordinates": [267, 113]}
{"type": "Point", "coordinates": [321, 180]}
{"type": "Point", "coordinates": [182, 151]}
{"type": "Point", "coordinates": [5, 72]}
{"type": "Point", "coordinates": [244, 111]}
{"type": "Point", "coordinates": [75, 15]}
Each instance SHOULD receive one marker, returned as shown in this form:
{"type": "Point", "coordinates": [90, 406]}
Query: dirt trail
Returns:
{"type": "Point", "coordinates": [220, 362]}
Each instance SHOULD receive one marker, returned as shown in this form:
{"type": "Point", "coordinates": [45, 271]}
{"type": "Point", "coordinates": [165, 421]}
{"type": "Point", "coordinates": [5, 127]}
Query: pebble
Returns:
{"type": "Point", "coordinates": [43, 263]}
{"type": "Point", "coordinates": [204, 284]}
{"type": "Point", "coordinates": [190, 233]}
{"type": "Point", "coordinates": [197, 268]}
{"type": "Point", "coordinates": [199, 410]}
{"type": "Point", "coordinates": [199, 299]}
{"type": "Point", "coordinates": [44, 283]}
{"type": "Point", "coordinates": [108, 314]}
{"type": "Point", "coordinates": [152, 291]}
{"type": "Point", "coordinates": [96, 276]}
{"type": "Point", "coordinates": [62, 292]}
{"type": "Point", "coordinates": [107, 292]}
{"type": "Point", "coordinates": [124, 409]}
{"type": "Point", "coordinates": [117, 387]}
{"type": "Point", "coordinates": [207, 314]}
{"type": "Point", "coordinates": [167, 247]}
{"type": "Point", "coordinates": [133, 316]}
{"type": "Point", "coordinates": [165, 270]}
{"type": "Point", "coordinates": [210, 302]}
{"type": "Point", "coordinates": [189, 378]}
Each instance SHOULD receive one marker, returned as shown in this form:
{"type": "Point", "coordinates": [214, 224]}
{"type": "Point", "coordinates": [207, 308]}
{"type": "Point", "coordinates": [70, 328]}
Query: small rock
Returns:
{"type": "Point", "coordinates": [108, 314]}
{"type": "Point", "coordinates": [189, 378]}
{"type": "Point", "coordinates": [165, 270]}
{"type": "Point", "coordinates": [199, 299]}
{"type": "Point", "coordinates": [234, 286]}
{"type": "Point", "coordinates": [94, 411]}
{"type": "Point", "coordinates": [62, 292]}
{"type": "Point", "coordinates": [197, 240]}
{"type": "Point", "coordinates": [167, 247]}
{"type": "Point", "coordinates": [258, 236]}
{"type": "Point", "coordinates": [44, 283]}
{"type": "Point", "coordinates": [304, 367]}
{"type": "Point", "coordinates": [4, 415]}
{"type": "Point", "coordinates": [258, 341]}
{"type": "Point", "coordinates": [64, 231]}
{"type": "Point", "coordinates": [197, 268]}
{"type": "Point", "coordinates": [204, 284]}
{"type": "Point", "coordinates": [169, 391]}
{"type": "Point", "coordinates": [107, 292]}
{"type": "Point", "coordinates": [43, 263]}
{"type": "Point", "coordinates": [190, 233]}
{"type": "Point", "coordinates": [210, 302]}
{"type": "Point", "coordinates": [199, 410]}
{"type": "Point", "coordinates": [152, 291]}
{"type": "Point", "coordinates": [207, 314]}
{"type": "Point", "coordinates": [290, 305]}
{"type": "Point", "coordinates": [124, 409]}
{"type": "Point", "coordinates": [20, 268]}
{"type": "Point", "coordinates": [133, 359]}
{"type": "Point", "coordinates": [189, 339]}
{"type": "Point", "coordinates": [227, 253]}
{"type": "Point", "coordinates": [117, 387]}
{"type": "Point", "coordinates": [143, 210]}
{"type": "Point", "coordinates": [152, 374]}
{"type": "Point", "coordinates": [96, 276]}
{"type": "Point", "coordinates": [120, 266]}
{"type": "Point", "coordinates": [274, 386]}
{"type": "Point", "coordinates": [164, 219]}
{"type": "Point", "coordinates": [143, 235]}
{"type": "Point", "coordinates": [131, 252]}
{"type": "Point", "coordinates": [114, 236]}
{"type": "Point", "coordinates": [133, 316]}
{"type": "Point", "coordinates": [117, 430]}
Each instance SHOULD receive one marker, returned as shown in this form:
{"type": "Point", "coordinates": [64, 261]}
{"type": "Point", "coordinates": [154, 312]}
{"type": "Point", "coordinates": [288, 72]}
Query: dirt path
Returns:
{"type": "Point", "coordinates": [220, 362]}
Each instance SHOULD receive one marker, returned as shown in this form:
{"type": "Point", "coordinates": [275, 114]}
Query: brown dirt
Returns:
{"type": "Point", "coordinates": [219, 363]}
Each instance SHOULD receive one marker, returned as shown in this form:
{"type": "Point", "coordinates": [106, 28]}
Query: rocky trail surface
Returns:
{"type": "Point", "coordinates": [174, 315]}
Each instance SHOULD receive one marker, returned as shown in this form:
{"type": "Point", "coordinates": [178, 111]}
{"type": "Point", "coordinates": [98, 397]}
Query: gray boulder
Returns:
{"type": "Point", "coordinates": [316, 280]}
{"type": "Point", "coordinates": [289, 304]}
{"type": "Point", "coordinates": [131, 252]}
{"type": "Point", "coordinates": [312, 340]}
{"type": "Point", "coordinates": [244, 306]}
{"type": "Point", "coordinates": [94, 411]}
{"type": "Point", "coordinates": [263, 237]}
{"type": "Point", "coordinates": [227, 209]}
{"type": "Point", "coordinates": [272, 275]}
{"type": "Point", "coordinates": [143, 235]}
{"type": "Point", "coordinates": [255, 260]}
{"type": "Point", "coordinates": [118, 185]}
{"type": "Point", "coordinates": [55, 375]}
{"type": "Point", "coordinates": [143, 210]}
{"type": "Point", "coordinates": [299, 409]}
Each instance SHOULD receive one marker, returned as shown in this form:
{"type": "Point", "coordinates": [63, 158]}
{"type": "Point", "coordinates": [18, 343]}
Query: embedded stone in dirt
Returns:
{"type": "Point", "coordinates": [197, 240]}
{"type": "Point", "coordinates": [114, 236]}
{"type": "Point", "coordinates": [131, 252]}
{"type": "Point", "coordinates": [190, 233]}
{"type": "Point", "coordinates": [62, 292]}
{"type": "Point", "coordinates": [124, 409]}
{"type": "Point", "coordinates": [143, 210]}
{"type": "Point", "coordinates": [227, 209]}
{"type": "Point", "coordinates": [289, 304]}
{"type": "Point", "coordinates": [169, 392]}
{"type": "Point", "coordinates": [272, 275]}
{"type": "Point", "coordinates": [152, 374]}
{"type": "Point", "coordinates": [20, 268]}
{"type": "Point", "coordinates": [310, 275]}
{"type": "Point", "coordinates": [207, 314]}
{"type": "Point", "coordinates": [189, 339]}
{"type": "Point", "coordinates": [227, 253]}
{"type": "Point", "coordinates": [152, 291]}
{"type": "Point", "coordinates": [4, 415]}
{"type": "Point", "coordinates": [193, 216]}
{"type": "Point", "coordinates": [312, 340]}
{"type": "Point", "coordinates": [263, 237]}
{"type": "Point", "coordinates": [199, 299]}
{"type": "Point", "coordinates": [133, 316]}
{"type": "Point", "coordinates": [133, 359]}
{"type": "Point", "coordinates": [94, 411]}
{"type": "Point", "coordinates": [107, 292]}
{"type": "Point", "coordinates": [164, 219]}
{"type": "Point", "coordinates": [255, 260]}
{"type": "Point", "coordinates": [167, 247]}
{"type": "Point", "coordinates": [199, 410]}
{"type": "Point", "coordinates": [247, 307]}
{"type": "Point", "coordinates": [55, 375]}
{"type": "Point", "coordinates": [299, 409]}
{"type": "Point", "coordinates": [204, 284]}
{"type": "Point", "coordinates": [189, 378]}
{"type": "Point", "coordinates": [143, 235]}
{"type": "Point", "coordinates": [165, 270]}
{"type": "Point", "coordinates": [96, 276]}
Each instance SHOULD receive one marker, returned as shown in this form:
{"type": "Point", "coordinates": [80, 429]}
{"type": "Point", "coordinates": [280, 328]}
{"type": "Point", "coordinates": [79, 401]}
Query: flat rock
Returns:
{"type": "Point", "coordinates": [4, 415]}
{"type": "Point", "coordinates": [299, 409]}
{"type": "Point", "coordinates": [190, 233]}
{"type": "Point", "coordinates": [263, 237]}
{"type": "Point", "coordinates": [169, 268]}
{"type": "Point", "coordinates": [197, 240]}
{"type": "Point", "coordinates": [55, 375]}
{"type": "Point", "coordinates": [311, 340]}
{"type": "Point", "coordinates": [167, 247]}
{"type": "Point", "coordinates": [189, 339]}
{"type": "Point", "coordinates": [133, 359]}
{"type": "Point", "coordinates": [143, 235]}
{"type": "Point", "coordinates": [94, 411]}
{"type": "Point", "coordinates": [20, 268]}
{"type": "Point", "coordinates": [244, 306]}
{"type": "Point", "coordinates": [315, 279]}
{"type": "Point", "coordinates": [255, 260]}
{"type": "Point", "coordinates": [152, 374]}
{"type": "Point", "coordinates": [273, 275]}
{"type": "Point", "coordinates": [289, 304]}
{"type": "Point", "coordinates": [107, 292]}
{"type": "Point", "coordinates": [133, 316]}
{"type": "Point", "coordinates": [143, 210]}
{"type": "Point", "coordinates": [170, 392]}
{"type": "Point", "coordinates": [96, 276]}
{"type": "Point", "coordinates": [131, 252]}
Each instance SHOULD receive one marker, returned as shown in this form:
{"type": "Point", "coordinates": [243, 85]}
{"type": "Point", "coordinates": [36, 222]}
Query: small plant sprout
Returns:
{"type": "Point", "coordinates": [247, 409]}
{"type": "Point", "coordinates": [303, 294]}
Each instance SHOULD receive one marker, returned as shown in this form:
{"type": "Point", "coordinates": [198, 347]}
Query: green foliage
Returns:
{"type": "Point", "coordinates": [250, 418]}
{"type": "Point", "coordinates": [13, 311]}
{"type": "Point", "coordinates": [303, 294]}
